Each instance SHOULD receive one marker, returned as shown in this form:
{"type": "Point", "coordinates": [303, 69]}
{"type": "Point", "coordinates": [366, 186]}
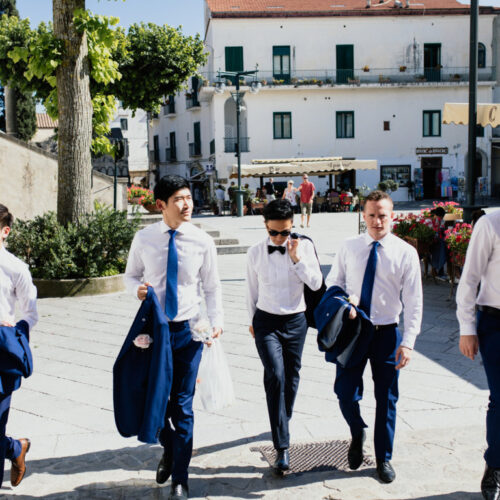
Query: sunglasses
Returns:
{"type": "Point", "coordinates": [273, 232]}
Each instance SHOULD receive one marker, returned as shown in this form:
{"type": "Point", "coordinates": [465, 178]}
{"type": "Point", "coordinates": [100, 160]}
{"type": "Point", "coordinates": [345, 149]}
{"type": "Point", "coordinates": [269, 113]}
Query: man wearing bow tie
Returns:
{"type": "Point", "coordinates": [277, 269]}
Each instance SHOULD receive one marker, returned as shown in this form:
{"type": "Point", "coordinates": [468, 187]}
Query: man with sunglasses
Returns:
{"type": "Point", "coordinates": [277, 269]}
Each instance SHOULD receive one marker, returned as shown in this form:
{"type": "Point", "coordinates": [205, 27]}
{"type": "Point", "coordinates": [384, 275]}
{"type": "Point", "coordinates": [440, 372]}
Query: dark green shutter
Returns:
{"type": "Point", "coordinates": [345, 63]}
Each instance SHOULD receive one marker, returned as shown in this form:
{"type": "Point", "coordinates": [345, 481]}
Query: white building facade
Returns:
{"type": "Point", "coordinates": [356, 81]}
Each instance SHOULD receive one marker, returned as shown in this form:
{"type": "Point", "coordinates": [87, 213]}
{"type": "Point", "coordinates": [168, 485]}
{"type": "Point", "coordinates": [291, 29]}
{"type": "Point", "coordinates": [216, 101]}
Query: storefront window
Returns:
{"type": "Point", "coordinates": [399, 173]}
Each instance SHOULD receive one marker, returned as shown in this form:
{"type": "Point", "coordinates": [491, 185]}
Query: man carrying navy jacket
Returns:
{"type": "Point", "coordinates": [16, 286]}
{"type": "Point", "coordinates": [176, 258]}
{"type": "Point", "coordinates": [384, 272]}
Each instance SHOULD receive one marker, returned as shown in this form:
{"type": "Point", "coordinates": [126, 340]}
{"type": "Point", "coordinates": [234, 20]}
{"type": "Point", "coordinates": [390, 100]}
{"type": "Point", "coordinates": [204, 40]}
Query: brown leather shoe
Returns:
{"type": "Point", "coordinates": [18, 468]}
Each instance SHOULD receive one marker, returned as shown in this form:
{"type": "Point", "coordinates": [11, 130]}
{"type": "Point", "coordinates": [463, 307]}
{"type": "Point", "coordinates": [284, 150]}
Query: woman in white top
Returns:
{"type": "Point", "coordinates": [289, 194]}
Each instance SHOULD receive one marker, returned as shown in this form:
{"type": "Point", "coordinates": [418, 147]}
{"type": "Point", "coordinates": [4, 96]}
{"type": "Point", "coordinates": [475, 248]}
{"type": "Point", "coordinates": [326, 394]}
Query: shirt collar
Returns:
{"type": "Point", "coordinates": [383, 242]}
{"type": "Point", "coordinates": [182, 229]}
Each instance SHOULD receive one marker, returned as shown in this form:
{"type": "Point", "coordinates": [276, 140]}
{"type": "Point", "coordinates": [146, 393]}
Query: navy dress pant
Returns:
{"type": "Point", "coordinates": [9, 448]}
{"type": "Point", "coordinates": [488, 332]}
{"type": "Point", "coordinates": [280, 341]}
{"type": "Point", "coordinates": [349, 389]}
{"type": "Point", "coordinates": [177, 434]}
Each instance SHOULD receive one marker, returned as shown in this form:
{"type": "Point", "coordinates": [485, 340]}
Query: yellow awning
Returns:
{"type": "Point", "coordinates": [299, 166]}
{"type": "Point", "coordinates": [458, 113]}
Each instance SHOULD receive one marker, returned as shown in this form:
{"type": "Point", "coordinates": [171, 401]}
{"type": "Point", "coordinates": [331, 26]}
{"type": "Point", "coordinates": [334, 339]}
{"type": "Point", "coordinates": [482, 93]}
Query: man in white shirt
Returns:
{"type": "Point", "coordinates": [482, 333]}
{"type": "Point", "coordinates": [277, 269]}
{"type": "Point", "coordinates": [220, 195]}
{"type": "Point", "coordinates": [176, 259]}
{"type": "Point", "coordinates": [380, 268]}
{"type": "Point", "coordinates": [16, 285]}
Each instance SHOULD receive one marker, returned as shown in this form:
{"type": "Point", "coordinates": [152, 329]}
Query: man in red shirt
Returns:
{"type": "Point", "coordinates": [306, 199]}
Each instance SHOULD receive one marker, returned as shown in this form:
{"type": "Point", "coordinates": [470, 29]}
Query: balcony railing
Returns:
{"type": "Point", "coordinates": [170, 154]}
{"type": "Point", "coordinates": [192, 102]}
{"type": "Point", "coordinates": [230, 145]}
{"type": "Point", "coordinates": [364, 75]}
{"type": "Point", "coordinates": [194, 149]}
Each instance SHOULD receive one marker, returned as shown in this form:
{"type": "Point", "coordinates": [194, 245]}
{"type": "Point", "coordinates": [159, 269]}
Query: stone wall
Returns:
{"type": "Point", "coordinates": [28, 180]}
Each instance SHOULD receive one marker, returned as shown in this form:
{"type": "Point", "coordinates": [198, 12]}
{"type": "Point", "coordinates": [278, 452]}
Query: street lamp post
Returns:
{"type": "Point", "coordinates": [238, 96]}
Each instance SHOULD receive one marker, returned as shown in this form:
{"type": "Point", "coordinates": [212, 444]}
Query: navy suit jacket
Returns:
{"type": "Point", "coordinates": [15, 356]}
{"type": "Point", "coordinates": [345, 341]}
{"type": "Point", "coordinates": [142, 378]}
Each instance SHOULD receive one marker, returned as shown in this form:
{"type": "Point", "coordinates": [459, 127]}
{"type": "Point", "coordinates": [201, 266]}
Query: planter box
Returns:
{"type": "Point", "coordinates": [79, 287]}
{"type": "Point", "coordinates": [423, 248]}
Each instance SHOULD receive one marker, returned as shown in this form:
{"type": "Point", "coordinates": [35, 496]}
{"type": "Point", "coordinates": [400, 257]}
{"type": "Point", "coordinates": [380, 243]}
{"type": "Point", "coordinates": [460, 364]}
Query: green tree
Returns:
{"type": "Point", "coordinates": [79, 67]}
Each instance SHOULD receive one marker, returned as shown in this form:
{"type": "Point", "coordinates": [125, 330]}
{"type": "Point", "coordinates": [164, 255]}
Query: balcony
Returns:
{"type": "Point", "coordinates": [170, 154]}
{"type": "Point", "coordinates": [192, 102]}
{"type": "Point", "coordinates": [195, 149]}
{"type": "Point", "coordinates": [230, 145]}
{"type": "Point", "coordinates": [366, 75]}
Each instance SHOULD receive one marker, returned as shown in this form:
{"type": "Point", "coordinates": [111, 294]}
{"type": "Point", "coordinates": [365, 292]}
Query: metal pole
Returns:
{"type": "Point", "coordinates": [239, 193]}
{"type": "Point", "coordinates": [115, 181]}
{"type": "Point", "coordinates": [469, 176]}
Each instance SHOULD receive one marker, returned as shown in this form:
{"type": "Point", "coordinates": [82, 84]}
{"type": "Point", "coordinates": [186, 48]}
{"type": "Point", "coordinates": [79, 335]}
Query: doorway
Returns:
{"type": "Point", "coordinates": [432, 62]}
{"type": "Point", "coordinates": [432, 176]}
{"type": "Point", "coordinates": [346, 180]}
{"type": "Point", "coordinates": [345, 63]}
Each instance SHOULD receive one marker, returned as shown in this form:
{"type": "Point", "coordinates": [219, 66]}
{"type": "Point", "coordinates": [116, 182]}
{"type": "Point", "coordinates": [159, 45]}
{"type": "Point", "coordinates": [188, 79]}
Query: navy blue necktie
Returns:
{"type": "Point", "coordinates": [368, 280]}
{"type": "Point", "coordinates": [171, 305]}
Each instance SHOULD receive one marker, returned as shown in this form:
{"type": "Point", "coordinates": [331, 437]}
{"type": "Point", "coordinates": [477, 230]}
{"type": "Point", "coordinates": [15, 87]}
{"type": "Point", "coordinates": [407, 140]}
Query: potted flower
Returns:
{"type": "Point", "coordinates": [134, 194]}
{"type": "Point", "coordinates": [148, 202]}
{"type": "Point", "coordinates": [366, 68]}
{"type": "Point", "coordinates": [457, 240]}
{"type": "Point", "coordinates": [415, 231]}
{"type": "Point", "coordinates": [402, 69]}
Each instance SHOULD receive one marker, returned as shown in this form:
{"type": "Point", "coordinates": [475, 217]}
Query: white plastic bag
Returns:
{"type": "Point", "coordinates": [215, 386]}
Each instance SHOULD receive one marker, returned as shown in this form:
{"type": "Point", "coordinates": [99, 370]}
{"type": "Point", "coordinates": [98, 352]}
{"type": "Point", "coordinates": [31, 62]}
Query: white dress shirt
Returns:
{"type": "Point", "coordinates": [397, 280]}
{"type": "Point", "coordinates": [197, 269]}
{"type": "Point", "coordinates": [16, 285]}
{"type": "Point", "coordinates": [275, 284]}
{"type": "Point", "coordinates": [482, 265]}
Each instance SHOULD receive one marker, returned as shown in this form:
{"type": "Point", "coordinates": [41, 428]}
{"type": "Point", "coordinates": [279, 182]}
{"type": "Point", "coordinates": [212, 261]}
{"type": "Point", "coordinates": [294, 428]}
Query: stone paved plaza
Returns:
{"type": "Point", "coordinates": [66, 406]}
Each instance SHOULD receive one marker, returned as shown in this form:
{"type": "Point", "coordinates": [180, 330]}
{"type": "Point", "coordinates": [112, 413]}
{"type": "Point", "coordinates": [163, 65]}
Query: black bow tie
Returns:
{"type": "Point", "coordinates": [272, 248]}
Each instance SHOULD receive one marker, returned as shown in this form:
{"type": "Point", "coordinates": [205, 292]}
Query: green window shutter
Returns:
{"type": "Point", "coordinates": [234, 58]}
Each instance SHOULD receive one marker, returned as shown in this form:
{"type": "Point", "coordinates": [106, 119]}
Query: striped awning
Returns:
{"type": "Point", "coordinates": [458, 113]}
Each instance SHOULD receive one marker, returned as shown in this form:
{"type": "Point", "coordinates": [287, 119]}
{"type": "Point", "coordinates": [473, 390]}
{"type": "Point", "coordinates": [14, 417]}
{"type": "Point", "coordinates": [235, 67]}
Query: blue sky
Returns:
{"type": "Point", "coordinates": [188, 13]}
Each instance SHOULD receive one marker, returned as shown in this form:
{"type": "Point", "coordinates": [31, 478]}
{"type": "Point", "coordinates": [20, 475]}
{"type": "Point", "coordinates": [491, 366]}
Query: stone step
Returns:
{"type": "Point", "coordinates": [225, 241]}
{"type": "Point", "coordinates": [231, 249]}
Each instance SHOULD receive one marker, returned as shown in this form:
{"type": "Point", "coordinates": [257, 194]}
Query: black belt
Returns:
{"type": "Point", "coordinates": [381, 327]}
{"type": "Point", "coordinates": [177, 326]}
{"type": "Point", "coordinates": [490, 310]}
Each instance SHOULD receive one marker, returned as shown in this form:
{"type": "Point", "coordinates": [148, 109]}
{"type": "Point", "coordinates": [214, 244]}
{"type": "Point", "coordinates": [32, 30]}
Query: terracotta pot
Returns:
{"type": "Point", "coordinates": [151, 208]}
{"type": "Point", "coordinates": [421, 247]}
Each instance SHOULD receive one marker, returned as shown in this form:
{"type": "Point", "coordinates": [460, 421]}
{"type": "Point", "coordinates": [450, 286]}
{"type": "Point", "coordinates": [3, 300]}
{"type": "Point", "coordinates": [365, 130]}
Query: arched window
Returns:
{"type": "Point", "coordinates": [481, 55]}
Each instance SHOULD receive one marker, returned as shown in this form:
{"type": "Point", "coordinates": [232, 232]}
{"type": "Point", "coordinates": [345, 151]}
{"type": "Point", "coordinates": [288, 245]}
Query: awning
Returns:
{"type": "Point", "coordinates": [458, 113]}
{"type": "Point", "coordinates": [299, 166]}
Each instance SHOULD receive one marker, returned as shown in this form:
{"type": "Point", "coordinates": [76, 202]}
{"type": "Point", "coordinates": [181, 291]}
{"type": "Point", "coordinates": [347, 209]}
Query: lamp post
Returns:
{"type": "Point", "coordinates": [471, 160]}
{"type": "Point", "coordinates": [238, 96]}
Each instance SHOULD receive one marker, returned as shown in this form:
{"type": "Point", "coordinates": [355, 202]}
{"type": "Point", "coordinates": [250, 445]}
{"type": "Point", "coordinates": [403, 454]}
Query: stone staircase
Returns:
{"type": "Point", "coordinates": [224, 246]}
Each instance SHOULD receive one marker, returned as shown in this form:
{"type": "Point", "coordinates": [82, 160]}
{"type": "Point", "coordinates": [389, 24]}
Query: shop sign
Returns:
{"type": "Point", "coordinates": [431, 151]}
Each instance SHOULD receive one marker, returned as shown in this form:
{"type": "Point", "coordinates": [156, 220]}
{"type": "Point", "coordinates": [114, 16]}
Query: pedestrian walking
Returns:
{"type": "Point", "coordinates": [16, 288]}
{"type": "Point", "coordinates": [177, 259]}
{"type": "Point", "coordinates": [384, 271]}
{"type": "Point", "coordinates": [277, 269]}
{"type": "Point", "coordinates": [480, 331]}
{"type": "Point", "coordinates": [270, 190]}
{"type": "Point", "coordinates": [306, 200]}
{"type": "Point", "coordinates": [290, 194]}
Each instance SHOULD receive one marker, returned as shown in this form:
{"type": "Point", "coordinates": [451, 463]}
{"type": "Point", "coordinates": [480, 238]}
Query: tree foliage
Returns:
{"type": "Point", "coordinates": [139, 67]}
{"type": "Point", "coordinates": [25, 115]}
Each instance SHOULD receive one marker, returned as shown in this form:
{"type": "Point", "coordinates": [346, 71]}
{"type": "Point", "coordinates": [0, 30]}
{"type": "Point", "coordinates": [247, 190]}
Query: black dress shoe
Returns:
{"type": "Point", "coordinates": [385, 471]}
{"type": "Point", "coordinates": [355, 453]}
{"type": "Point", "coordinates": [282, 462]}
{"type": "Point", "coordinates": [490, 484]}
{"type": "Point", "coordinates": [179, 492]}
{"type": "Point", "coordinates": [164, 468]}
